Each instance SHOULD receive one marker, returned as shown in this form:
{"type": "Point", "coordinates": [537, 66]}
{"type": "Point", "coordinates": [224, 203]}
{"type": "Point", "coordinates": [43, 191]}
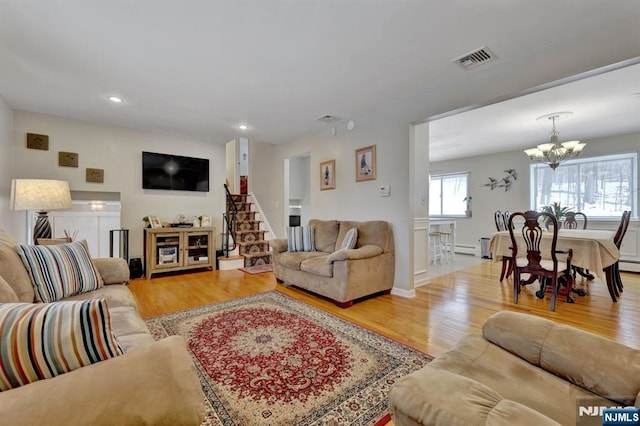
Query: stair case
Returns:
{"type": "Point", "coordinates": [243, 239]}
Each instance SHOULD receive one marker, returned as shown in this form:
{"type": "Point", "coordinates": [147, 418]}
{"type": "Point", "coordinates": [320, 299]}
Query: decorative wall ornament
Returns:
{"type": "Point", "coordinates": [95, 175]}
{"type": "Point", "coordinates": [328, 175]}
{"type": "Point", "coordinates": [366, 163]}
{"type": "Point", "coordinates": [36, 141]}
{"type": "Point", "coordinates": [505, 182]}
{"type": "Point", "coordinates": [67, 159]}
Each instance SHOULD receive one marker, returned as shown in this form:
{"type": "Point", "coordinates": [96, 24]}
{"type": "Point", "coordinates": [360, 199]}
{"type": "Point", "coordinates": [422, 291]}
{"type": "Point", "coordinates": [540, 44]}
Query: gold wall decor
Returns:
{"type": "Point", "coordinates": [95, 175]}
{"type": "Point", "coordinates": [35, 141]}
{"type": "Point", "coordinates": [67, 159]}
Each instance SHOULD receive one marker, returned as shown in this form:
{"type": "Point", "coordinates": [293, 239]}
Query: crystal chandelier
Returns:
{"type": "Point", "coordinates": [554, 153]}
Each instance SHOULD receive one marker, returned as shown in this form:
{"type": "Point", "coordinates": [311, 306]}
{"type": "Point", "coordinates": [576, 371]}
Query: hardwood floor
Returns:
{"type": "Point", "coordinates": [442, 312]}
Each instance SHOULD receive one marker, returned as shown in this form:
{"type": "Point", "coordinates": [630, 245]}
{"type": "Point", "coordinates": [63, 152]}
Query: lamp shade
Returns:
{"type": "Point", "coordinates": [40, 194]}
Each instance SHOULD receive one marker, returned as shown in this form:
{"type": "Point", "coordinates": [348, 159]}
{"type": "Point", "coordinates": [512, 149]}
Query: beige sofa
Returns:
{"type": "Point", "coordinates": [340, 275]}
{"type": "Point", "coordinates": [153, 383]}
{"type": "Point", "coordinates": [523, 370]}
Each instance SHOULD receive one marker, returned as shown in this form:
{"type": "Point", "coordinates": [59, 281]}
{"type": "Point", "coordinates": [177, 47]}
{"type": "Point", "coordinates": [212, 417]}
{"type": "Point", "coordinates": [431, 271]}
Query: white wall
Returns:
{"type": "Point", "coordinates": [119, 152]}
{"type": "Point", "coordinates": [486, 202]}
{"type": "Point", "coordinates": [352, 200]}
{"type": "Point", "coordinates": [7, 217]}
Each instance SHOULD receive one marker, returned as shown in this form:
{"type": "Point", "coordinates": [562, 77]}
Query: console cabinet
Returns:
{"type": "Point", "coordinates": [178, 249]}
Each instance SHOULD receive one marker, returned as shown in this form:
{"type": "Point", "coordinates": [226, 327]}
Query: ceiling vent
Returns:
{"type": "Point", "coordinates": [477, 57]}
{"type": "Point", "coordinates": [329, 119]}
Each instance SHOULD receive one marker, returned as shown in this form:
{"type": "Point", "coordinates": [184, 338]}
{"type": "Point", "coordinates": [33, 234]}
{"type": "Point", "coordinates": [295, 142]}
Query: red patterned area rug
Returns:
{"type": "Point", "coordinates": [269, 359]}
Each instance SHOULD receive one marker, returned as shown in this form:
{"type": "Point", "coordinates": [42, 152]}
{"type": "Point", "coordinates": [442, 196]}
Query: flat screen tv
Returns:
{"type": "Point", "coordinates": [174, 172]}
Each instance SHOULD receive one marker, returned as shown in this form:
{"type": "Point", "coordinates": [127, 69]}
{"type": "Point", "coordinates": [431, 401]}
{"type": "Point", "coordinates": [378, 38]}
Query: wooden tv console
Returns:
{"type": "Point", "coordinates": [178, 249]}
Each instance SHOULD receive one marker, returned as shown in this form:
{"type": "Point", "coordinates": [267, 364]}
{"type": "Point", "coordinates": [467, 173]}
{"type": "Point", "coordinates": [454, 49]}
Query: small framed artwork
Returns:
{"type": "Point", "coordinates": [205, 222]}
{"type": "Point", "coordinates": [154, 221]}
{"type": "Point", "coordinates": [328, 175]}
{"type": "Point", "coordinates": [67, 159]}
{"type": "Point", "coordinates": [95, 175]}
{"type": "Point", "coordinates": [366, 163]}
{"type": "Point", "coordinates": [36, 141]}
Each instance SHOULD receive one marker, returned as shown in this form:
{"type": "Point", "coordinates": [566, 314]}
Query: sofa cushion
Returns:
{"type": "Point", "coordinates": [115, 295]}
{"type": "Point", "coordinates": [41, 341]}
{"type": "Point", "coordinates": [293, 260]}
{"type": "Point", "coordinates": [59, 271]}
{"type": "Point", "coordinates": [301, 238]}
{"type": "Point", "coordinates": [578, 356]}
{"type": "Point", "coordinates": [512, 377]}
{"type": "Point", "coordinates": [318, 266]}
{"type": "Point", "coordinates": [12, 269]}
{"type": "Point", "coordinates": [7, 295]}
{"type": "Point", "coordinates": [326, 234]}
{"type": "Point", "coordinates": [376, 232]}
{"type": "Point", "coordinates": [350, 239]}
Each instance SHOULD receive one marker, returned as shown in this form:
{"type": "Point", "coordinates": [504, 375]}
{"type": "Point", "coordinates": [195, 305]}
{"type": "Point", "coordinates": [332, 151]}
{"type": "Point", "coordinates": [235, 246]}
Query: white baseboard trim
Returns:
{"type": "Point", "coordinates": [629, 266]}
{"type": "Point", "coordinates": [403, 293]}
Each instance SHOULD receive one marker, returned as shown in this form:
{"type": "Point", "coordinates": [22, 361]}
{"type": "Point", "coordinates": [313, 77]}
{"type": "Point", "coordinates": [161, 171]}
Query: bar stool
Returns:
{"type": "Point", "coordinates": [435, 247]}
{"type": "Point", "coordinates": [447, 246]}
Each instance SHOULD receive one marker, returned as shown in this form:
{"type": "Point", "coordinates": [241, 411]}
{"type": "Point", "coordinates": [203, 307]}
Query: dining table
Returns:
{"type": "Point", "coordinates": [593, 249]}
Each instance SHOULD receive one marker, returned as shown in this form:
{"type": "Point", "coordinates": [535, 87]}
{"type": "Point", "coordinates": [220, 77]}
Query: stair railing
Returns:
{"type": "Point", "coordinates": [229, 220]}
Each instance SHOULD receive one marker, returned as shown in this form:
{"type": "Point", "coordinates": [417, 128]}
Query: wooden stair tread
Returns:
{"type": "Point", "coordinates": [262, 253]}
{"type": "Point", "coordinates": [254, 242]}
{"type": "Point", "coordinates": [238, 257]}
{"type": "Point", "coordinates": [239, 231]}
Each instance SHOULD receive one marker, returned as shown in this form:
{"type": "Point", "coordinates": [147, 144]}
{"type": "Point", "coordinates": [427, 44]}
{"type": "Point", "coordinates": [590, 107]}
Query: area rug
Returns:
{"type": "Point", "coordinates": [258, 269]}
{"type": "Point", "coordinates": [269, 359]}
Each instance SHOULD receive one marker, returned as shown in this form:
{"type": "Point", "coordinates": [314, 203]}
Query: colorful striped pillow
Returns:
{"type": "Point", "coordinates": [61, 270]}
{"type": "Point", "coordinates": [41, 341]}
{"type": "Point", "coordinates": [302, 238]}
{"type": "Point", "coordinates": [350, 239]}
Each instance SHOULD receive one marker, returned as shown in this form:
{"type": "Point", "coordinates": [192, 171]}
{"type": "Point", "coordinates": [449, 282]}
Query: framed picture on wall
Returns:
{"type": "Point", "coordinates": [328, 175]}
{"type": "Point", "coordinates": [366, 163]}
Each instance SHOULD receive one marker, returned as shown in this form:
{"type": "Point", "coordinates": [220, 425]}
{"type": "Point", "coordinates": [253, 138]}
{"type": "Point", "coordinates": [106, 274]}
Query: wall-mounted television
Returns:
{"type": "Point", "coordinates": [174, 172]}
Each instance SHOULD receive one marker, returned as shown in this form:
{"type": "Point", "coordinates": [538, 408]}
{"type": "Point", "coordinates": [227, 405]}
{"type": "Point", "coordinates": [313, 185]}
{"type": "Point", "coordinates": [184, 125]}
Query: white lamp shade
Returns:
{"type": "Point", "coordinates": [40, 194]}
{"type": "Point", "coordinates": [570, 145]}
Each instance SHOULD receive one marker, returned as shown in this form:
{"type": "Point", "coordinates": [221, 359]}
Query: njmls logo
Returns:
{"type": "Point", "coordinates": [592, 410]}
{"type": "Point", "coordinates": [628, 416]}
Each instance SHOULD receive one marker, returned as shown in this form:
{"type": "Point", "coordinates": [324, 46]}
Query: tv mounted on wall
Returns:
{"type": "Point", "coordinates": [174, 172]}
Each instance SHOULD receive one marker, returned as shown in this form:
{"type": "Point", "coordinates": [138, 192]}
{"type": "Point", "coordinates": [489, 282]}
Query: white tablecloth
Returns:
{"type": "Point", "coordinates": [592, 249]}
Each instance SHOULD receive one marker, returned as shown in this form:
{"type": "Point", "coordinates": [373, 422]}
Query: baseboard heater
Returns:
{"type": "Point", "coordinates": [466, 249]}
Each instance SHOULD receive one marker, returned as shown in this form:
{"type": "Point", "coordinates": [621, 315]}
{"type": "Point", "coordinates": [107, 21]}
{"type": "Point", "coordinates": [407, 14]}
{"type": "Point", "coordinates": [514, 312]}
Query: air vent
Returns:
{"type": "Point", "coordinates": [473, 59]}
{"type": "Point", "coordinates": [329, 119]}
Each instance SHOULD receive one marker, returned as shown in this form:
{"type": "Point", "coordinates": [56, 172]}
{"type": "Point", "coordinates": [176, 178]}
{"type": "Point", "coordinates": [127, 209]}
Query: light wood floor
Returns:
{"type": "Point", "coordinates": [444, 310]}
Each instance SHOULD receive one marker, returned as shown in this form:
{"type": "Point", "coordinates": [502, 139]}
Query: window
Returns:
{"type": "Point", "coordinates": [447, 194]}
{"type": "Point", "coordinates": [600, 187]}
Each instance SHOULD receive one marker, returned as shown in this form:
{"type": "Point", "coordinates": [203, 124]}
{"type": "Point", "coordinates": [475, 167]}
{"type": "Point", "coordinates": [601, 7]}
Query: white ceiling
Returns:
{"type": "Point", "coordinates": [606, 104]}
{"type": "Point", "coordinates": [201, 67]}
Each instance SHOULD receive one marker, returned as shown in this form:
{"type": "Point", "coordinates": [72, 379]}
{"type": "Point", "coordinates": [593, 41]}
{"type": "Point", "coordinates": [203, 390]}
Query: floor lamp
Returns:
{"type": "Point", "coordinates": [41, 195]}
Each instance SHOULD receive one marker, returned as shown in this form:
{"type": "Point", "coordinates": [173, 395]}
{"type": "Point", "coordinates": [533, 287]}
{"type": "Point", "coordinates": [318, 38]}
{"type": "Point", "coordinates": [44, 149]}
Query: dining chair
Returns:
{"type": "Point", "coordinates": [570, 221]}
{"type": "Point", "coordinates": [612, 272]}
{"type": "Point", "coordinates": [533, 261]}
{"type": "Point", "coordinates": [501, 225]}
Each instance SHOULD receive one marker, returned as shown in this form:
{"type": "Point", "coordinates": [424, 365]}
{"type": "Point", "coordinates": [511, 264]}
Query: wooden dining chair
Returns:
{"type": "Point", "coordinates": [571, 221]}
{"type": "Point", "coordinates": [612, 272]}
{"type": "Point", "coordinates": [547, 269]}
{"type": "Point", "coordinates": [507, 264]}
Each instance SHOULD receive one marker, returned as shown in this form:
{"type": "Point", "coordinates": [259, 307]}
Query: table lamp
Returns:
{"type": "Point", "coordinates": [41, 195]}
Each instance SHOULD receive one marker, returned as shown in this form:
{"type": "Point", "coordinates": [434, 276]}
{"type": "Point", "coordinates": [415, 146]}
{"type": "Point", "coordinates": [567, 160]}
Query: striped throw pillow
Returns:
{"type": "Point", "coordinates": [61, 270]}
{"type": "Point", "coordinates": [41, 341]}
{"type": "Point", "coordinates": [350, 239]}
{"type": "Point", "coordinates": [302, 238]}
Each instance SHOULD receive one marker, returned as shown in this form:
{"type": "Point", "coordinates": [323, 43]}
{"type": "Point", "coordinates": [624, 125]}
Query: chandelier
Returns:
{"type": "Point", "coordinates": [554, 153]}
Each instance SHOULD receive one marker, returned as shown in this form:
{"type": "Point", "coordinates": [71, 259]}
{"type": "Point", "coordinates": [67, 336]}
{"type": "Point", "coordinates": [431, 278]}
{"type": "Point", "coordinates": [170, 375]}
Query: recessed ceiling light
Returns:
{"type": "Point", "coordinates": [115, 99]}
{"type": "Point", "coordinates": [243, 127]}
